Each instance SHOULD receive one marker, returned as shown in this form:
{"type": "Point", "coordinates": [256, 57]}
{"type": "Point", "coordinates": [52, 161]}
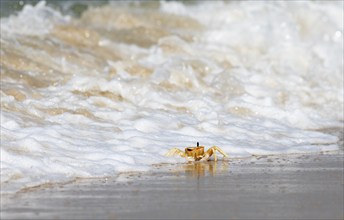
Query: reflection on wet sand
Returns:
{"type": "Point", "coordinates": [199, 169]}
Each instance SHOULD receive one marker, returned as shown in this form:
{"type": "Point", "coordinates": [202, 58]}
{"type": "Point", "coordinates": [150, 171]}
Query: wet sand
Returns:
{"type": "Point", "coordinates": [261, 187]}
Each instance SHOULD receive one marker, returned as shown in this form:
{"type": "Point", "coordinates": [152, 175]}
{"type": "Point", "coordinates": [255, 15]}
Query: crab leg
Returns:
{"type": "Point", "coordinates": [175, 151]}
{"type": "Point", "coordinates": [220, 150]}
{"type": "Point", "coordinates": [212, 151]}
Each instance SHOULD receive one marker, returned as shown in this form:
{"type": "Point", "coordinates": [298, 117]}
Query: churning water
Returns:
{"type": "Point", "coordinates": [116, 87]}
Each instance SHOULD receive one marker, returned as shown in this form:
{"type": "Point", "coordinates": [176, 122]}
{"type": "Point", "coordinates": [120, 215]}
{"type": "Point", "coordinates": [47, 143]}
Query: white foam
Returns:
{"type": "Point", "coordinates": [33, 20]}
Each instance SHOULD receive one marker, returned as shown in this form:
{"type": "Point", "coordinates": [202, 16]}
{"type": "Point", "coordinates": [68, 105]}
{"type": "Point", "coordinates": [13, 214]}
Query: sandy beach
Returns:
{"type": "Point", "coordinates": [308, 186]}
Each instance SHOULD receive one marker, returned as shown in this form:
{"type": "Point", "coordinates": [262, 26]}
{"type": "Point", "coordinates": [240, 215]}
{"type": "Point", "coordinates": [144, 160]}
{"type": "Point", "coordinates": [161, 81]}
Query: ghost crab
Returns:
{"type": "Point", "coordinates": [196, 153]}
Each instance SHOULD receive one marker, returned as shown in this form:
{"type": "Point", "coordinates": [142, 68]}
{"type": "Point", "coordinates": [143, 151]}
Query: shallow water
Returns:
{"type": "Point", "coordinates": [115, 88]}
{"type": "Point", "coordinates": [267, 187]}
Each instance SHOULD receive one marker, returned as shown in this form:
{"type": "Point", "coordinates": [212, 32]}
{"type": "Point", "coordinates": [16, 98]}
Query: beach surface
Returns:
{"type": "Point", "coordinates": [298, 186]}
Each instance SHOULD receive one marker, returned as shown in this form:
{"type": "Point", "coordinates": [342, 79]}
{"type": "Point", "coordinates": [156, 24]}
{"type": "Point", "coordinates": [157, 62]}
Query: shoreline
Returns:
{"type": "Point", "coordinates": [261, 186]}
{"type": "Point", "coordinates": [52, 185]}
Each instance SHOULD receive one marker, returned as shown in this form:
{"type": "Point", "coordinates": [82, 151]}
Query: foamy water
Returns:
{"type": "Point", "coordinates": [114, 89]}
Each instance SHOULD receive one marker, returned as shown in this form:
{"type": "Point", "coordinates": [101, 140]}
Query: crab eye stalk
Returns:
{"type": "Point", "coordinates": [197, 144]}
